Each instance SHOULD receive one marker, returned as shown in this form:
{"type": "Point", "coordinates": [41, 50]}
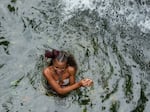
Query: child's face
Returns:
{"type": "Point", "coordinates": [59, 67]}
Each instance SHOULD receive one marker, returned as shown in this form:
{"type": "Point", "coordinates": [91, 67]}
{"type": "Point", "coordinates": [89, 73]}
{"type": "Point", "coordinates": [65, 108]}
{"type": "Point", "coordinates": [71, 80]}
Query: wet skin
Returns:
{"type": "Point", "coordinates": [60, 71]}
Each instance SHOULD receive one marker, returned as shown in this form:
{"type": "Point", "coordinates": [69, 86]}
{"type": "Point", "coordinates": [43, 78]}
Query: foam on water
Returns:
{"type": "Point", "coordinates": [111, 43]}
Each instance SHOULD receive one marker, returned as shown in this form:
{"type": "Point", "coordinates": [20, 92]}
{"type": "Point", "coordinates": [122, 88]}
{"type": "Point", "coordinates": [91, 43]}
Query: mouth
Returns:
{"type": "Point", "coordinates": [59, 72]}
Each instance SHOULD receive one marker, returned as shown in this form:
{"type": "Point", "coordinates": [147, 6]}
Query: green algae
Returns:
{"type": "Point", "coordinates": [125, 72]}
{"type": "Point", "coordinates": [84, 109]}
{"type": "Point", "coordinates": [128, 84]}
{"type": "Point", "coordinates": [84, 101]}
{"type": "Point", "coordinates": [13, 1]}
{"type": "Point", "coordinates": [5, 44]}
{"type": "Point", "coordinates": [115, 88]}
{"type": "Point", "coordinates": [141, 103]}
{"type": "Point", "coordinates": [11, 8]}
{"type": "Point", "coordinates": [95, 45]}
{"type": "Point", "coordinates": [1, 65]}
{"type": "Point", "coordinates": [15, 83]}
{"type": "Point", "coordinates": [114, 106]}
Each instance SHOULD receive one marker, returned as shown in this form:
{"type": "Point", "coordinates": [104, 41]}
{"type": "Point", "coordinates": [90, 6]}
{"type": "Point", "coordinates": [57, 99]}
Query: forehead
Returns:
{"type": "Point", "coordinates": [59, 64]}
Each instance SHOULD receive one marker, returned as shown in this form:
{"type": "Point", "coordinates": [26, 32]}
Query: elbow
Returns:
{"type": "Point", "coordinates": [60, 91]}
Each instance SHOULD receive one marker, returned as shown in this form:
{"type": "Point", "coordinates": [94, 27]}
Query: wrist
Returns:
{"type": "Point", "coordinates": [80, 84]}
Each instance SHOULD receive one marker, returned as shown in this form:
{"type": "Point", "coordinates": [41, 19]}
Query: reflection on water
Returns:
{"type": "Point", "coordinates": [109, 39]}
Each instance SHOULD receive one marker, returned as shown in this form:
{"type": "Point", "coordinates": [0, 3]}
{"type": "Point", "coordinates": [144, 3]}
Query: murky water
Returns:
{"type": "Point", "coordinates": [109, 38]}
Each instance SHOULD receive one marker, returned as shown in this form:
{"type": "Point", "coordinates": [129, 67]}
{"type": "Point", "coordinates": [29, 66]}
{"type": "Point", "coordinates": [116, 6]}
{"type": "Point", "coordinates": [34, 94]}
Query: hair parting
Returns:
{"type": "Point", "coordinates": [61, 56]}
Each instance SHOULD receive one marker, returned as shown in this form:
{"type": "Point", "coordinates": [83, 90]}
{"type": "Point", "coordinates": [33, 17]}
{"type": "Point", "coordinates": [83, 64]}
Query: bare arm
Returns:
{"type": "Point", "coordinates": [72, 73]}
{"type": "Point", "coordinates": [47, 73]}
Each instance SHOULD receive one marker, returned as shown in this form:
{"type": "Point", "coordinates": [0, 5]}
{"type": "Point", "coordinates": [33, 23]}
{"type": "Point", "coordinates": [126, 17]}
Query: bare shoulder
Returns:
{"type": "Point", "coordinates": [71, 70]}
{"type": "Point", "coordinates": [46, 71]}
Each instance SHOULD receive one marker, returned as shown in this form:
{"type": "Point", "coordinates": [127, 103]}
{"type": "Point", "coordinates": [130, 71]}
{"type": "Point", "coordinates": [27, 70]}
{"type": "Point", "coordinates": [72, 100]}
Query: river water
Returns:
{"type": "Point", "coordinates": [110, 40]}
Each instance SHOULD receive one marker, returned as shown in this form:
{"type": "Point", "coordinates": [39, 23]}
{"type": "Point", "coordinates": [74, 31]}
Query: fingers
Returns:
{"type": "Point", "coordinates": [90, 82]}
{"type": "Point", "coordinates": [87, 82]}
{"type": "Point", "coordinates": [84, 82]}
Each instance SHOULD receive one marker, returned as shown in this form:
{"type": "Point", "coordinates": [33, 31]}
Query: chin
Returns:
{"type": "Point", "coordinates": [59, 72]}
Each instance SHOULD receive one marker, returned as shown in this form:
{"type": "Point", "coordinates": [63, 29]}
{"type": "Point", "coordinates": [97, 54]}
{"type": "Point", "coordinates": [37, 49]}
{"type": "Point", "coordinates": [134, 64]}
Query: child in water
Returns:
{"type": "Point", "coordinates": [60, 74]}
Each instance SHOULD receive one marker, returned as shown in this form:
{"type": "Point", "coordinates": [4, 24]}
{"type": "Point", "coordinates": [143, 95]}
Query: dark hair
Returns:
{"type": "Point", "coordinates": [61, 56]}
{"type": "Point", "coordinates": [51, 54]}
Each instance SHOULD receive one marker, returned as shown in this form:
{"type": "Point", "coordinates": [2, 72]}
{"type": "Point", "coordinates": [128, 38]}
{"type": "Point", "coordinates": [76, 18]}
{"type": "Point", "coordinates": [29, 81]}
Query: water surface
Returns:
{"type": "Point", "coordinates": [109, 39]}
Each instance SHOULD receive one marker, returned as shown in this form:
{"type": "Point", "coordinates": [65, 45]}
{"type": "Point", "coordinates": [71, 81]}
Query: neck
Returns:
{"type": "Point", "coordinates": [59, 77]}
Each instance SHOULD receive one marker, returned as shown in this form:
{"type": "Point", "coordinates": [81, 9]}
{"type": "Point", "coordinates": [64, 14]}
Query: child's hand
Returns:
{"type": "Point", "coordinates": [89, 82]}
{"type": "Point", "coordinates": [86, 82]}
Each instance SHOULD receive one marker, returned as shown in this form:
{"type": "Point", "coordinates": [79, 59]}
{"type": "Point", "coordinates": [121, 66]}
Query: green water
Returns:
{"type": "Point", "coordinates": [110, 40]}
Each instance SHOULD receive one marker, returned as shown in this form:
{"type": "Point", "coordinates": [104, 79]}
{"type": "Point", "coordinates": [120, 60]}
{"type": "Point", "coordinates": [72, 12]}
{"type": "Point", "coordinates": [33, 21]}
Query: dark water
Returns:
{"type": "Point", "coordinates": [109, 38]}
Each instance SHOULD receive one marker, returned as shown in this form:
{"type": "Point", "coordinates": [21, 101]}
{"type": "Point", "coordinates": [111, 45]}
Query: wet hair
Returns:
{"type": "Point", "coordinates": [61, 56]}
{"type": "Point", "coordinates": [51, 54]}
